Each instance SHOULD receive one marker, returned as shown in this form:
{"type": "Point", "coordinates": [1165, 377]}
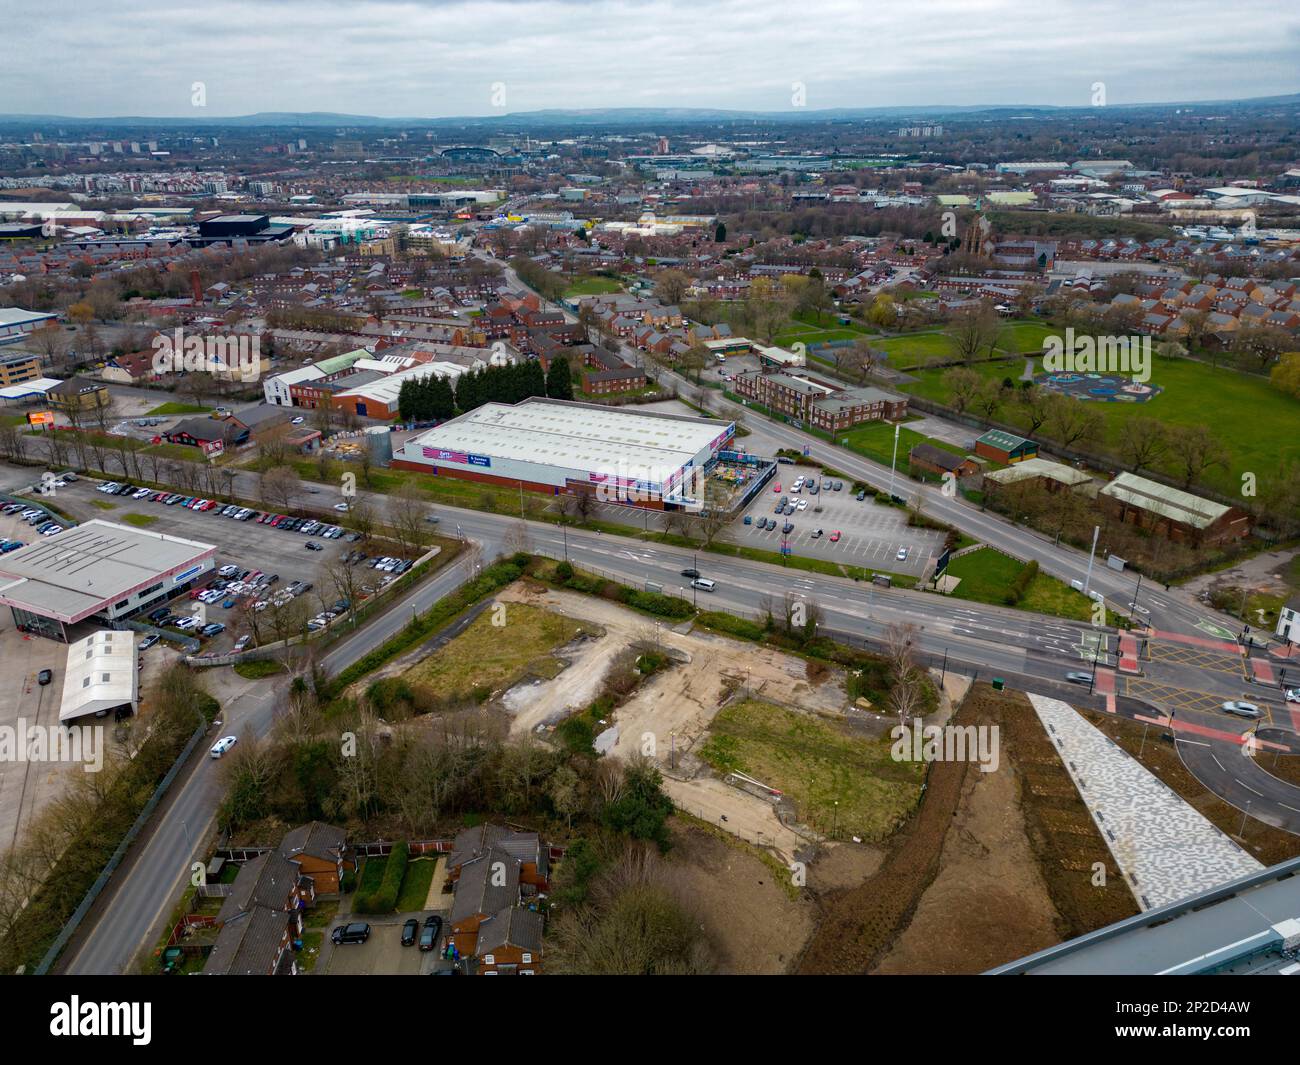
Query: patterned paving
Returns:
{"type": "Point", "coordinates": [1167, 697]}
{"type": "Point", "coordinates": [1166, 849]}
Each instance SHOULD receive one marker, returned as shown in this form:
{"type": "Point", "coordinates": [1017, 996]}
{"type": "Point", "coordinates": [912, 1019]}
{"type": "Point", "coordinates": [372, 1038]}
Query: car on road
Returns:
{"type": "Point", "coordinates": [835, 537]}
{"type": "Point", "coordinates": [902, 554]}
{"type": "Point", "coordinates": [1292, 695]}
{"type": "Point", "coordinates": [703, 584]}
{"type": "Point", "coordinates": [692, 573]}
{"type": "Point", "coordinates": [223, 745]}
{"type": "Point", "coordinates": [356, 932]}
{"type": "Point", "coordinates": [1242, 709]}
{"type": "Point", "coordinates": [297, 421]}
{"type": "Point", "coordinates": [1075, 677]}
{"type": "Point", "coordinates": [430, 932]}
{"type": "Point", "coordinates": [341, 506]}
{"type": "Point", "coordinates": [410, 930]}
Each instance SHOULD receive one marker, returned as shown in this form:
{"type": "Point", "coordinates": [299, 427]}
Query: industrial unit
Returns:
{"type": "Point", "coordinates": [98, 570]}
{"type": "Point", "coordinates": [553, 446]}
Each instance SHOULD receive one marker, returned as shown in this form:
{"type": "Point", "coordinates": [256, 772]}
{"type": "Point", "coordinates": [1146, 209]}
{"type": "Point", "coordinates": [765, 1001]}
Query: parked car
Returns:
{"type": "Point", "coordinates": [44, 677]}
{"type": "Point", "coordinates": [312, 545]}
{"type": "Point", "coordinates": [835, 537]}
{"type": "Point", "coordinates": [409, 931]}
{"type": "Point", "coordinates": [787, 528]}
{"type": "Point", "coordinates": [223, 745]}
{"type": "Point", "coordinates": [817, 534]}
{"type": "Point", "coordinates": [148, 642]}
{"type": "Point", "coordinates": [356, 932]}
{"type": "Point", "coordinates": [430, 932]}
{"type": "Point", "coordinates": [902, 554]}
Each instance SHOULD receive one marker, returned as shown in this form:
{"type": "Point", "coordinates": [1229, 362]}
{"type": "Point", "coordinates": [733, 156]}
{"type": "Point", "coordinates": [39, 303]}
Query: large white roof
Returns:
{"type": "Point", "coordinates": [101, 674]}
{"type": "Point", "coordinates": [576, 436]}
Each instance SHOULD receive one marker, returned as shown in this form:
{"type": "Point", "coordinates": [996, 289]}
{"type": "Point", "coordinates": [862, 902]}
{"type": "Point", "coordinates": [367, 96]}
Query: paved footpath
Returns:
{"type": "Point", "coordinates": [1166, 850]}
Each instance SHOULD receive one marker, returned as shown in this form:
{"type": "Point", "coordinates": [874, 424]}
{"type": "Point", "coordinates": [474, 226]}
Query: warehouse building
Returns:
{"type": "Point", "coordinates": [554, 446]}
{"type": "Point", "coordinates": [98, 570]}
{"type": "Point", "coordinates": [101, 676]}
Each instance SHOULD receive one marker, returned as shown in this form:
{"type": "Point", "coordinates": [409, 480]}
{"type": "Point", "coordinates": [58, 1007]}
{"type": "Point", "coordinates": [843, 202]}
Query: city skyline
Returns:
{"type": "Point", "coordinates": [472, 58]}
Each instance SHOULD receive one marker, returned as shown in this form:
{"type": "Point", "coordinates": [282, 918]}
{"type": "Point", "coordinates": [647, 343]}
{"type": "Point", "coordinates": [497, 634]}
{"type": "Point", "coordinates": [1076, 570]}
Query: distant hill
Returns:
{"type": "Point", "coordinates": [618, 116]}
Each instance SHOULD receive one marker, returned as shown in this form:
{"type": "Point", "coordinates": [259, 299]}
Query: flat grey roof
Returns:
{"type": "Point", "coordinates": [1248, 918]}
{"type": "Point", "coordinates": [81, 570]}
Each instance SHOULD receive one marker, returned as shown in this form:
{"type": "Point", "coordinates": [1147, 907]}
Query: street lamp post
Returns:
{"type": "Point", "coordinates": [894, 461]}
{"type": "Point", "coordinates": [1087, 580]}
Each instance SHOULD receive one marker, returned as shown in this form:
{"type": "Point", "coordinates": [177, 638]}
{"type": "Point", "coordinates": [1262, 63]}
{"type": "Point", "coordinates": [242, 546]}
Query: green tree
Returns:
{"type": "Point", "coordinates": [559, 382]}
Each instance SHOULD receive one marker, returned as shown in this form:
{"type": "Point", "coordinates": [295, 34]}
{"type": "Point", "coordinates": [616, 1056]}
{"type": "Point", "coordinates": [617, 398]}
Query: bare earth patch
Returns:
{"type": "Point", "coordinates": [755, 925]}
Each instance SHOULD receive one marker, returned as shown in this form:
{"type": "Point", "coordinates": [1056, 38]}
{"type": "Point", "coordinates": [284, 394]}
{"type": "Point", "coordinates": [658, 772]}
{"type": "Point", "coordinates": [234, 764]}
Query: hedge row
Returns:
{"type": "Point", "coordinates": [490, 580]}
{"type": "Point", "coordinates": [384, 898]}
{"type": "Point", "coordinates": [656, 603]}
{"type": "Point", "coordinates": [1021, 584]}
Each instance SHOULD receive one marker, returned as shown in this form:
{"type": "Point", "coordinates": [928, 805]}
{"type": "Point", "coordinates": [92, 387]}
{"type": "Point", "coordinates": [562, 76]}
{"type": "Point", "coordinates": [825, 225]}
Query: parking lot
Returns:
{"type": "Point", "coordinates": [383, 954]}
{"type": "Point", "coordinates": [245, 547]}
{"type": "Point", "coordinates": [870, 534]}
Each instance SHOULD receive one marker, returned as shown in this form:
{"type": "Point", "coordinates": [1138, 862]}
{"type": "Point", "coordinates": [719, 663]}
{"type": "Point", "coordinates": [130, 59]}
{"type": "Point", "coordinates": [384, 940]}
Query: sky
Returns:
{"type": "Point", "coordinates": [439, 58]}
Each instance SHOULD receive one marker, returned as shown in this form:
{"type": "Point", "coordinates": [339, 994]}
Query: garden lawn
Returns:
{"type": "Point", "coordinates": [817, 764]}
{"type": "Point", "coordinates": [415, 884]}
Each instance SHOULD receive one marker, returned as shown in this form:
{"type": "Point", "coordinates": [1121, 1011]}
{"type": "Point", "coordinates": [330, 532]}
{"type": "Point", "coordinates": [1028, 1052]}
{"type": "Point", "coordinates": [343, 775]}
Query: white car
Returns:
{"type": "Point", "coordinates": [342, 506]}
{"type": "Point", "coordinates": [1242, 709]}
{"type": "Point", "coordinates": [802, 505]}
{"type": "Point", "coordinates": [1292, 695]}
{"type": "Point", "coordinates": [142, 493]}
{"type": "Point", "coordinates": [297, 421]}
{"type": "Point", "coordinates": [902, 554]}
{"type": "Point", "coordinates": [223, 745]}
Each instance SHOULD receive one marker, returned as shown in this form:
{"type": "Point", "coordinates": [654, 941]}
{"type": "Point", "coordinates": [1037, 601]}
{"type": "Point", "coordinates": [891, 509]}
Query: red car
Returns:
{"type": "Point", "coordinates": [835, 536]}
{"type": "Point", "coordinates": [777, 488]}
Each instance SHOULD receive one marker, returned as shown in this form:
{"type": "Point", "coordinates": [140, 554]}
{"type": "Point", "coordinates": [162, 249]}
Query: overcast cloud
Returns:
{"type": "Point", "coordinates": [433, 58]}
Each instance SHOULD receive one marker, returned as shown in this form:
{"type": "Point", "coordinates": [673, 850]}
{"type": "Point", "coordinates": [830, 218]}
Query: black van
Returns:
{"type": "Point", "coordinates": [358, 932]}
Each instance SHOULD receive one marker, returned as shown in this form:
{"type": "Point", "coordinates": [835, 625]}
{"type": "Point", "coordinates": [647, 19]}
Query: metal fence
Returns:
{"type": "Point", "coordinates": [110, 867]}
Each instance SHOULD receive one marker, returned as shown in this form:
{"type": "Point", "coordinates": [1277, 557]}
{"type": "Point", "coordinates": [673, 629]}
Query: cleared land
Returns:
{"type": "Point", "coordinates": [489, 656]}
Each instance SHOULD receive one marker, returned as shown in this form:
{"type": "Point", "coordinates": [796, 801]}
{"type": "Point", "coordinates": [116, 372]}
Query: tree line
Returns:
{"type": "Point", "coordinates": [433, 398]}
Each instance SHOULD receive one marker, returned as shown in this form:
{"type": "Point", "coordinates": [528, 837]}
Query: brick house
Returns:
{"type": "Point", "coordinates": [816, 402]}
{"type": "Point", "coordinates": [933, 459]}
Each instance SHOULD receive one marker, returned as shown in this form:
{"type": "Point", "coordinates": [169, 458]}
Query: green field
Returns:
{"type": "Point", "coordinates": [913, 350]}
{"type": "Point", "coordinates": [1255, 422]}
{"type": "Point", "coordinates": [876, 441]}
{"type": "Point", "coordinates": [987, 574]}
{"type": "Point", "coordinates": [818, 764]}
{"type": "Point", "coordinates": [175, 408]}
{"type": "Point", "coordinates": [592, 286]}
{"type": "Point", "coordinates": [140, 521]}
